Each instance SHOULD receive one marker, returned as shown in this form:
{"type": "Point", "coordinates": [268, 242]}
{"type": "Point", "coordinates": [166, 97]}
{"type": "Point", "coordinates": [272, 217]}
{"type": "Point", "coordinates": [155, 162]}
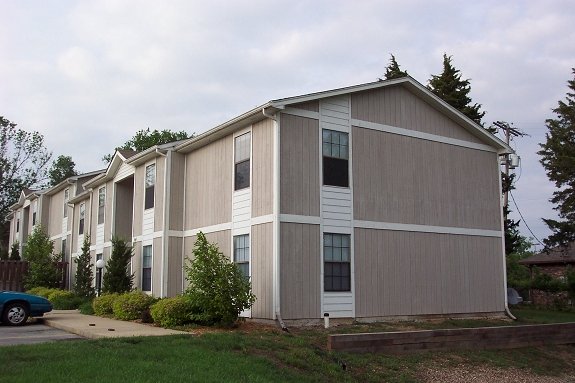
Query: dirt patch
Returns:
{"type": "Point", "coordinates": [465, 373]}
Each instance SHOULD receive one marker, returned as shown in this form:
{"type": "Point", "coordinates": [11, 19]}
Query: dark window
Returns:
{"type": "Point", "coordinates": [150, 186]}
{"type": "Point", "coordinates": [242, 253]}
{"type": "Point", "coordinates": [101, 204]}
{"type": "Point", "coordinates": [242, 161]}
{"type": "Point", "coordinates": [66, 197]}
{"type": "Point", "coordinates": [33, 218]}
{"type": "Point", "coordinates": [335, 158]}
{"type": "Point", "coordinates": [81, 220]}
{"type": "Point", "coordinates": [17, 225]}
{"type": "Point", "coordinates": [64, 257]}
{"type": "Point", "coordinates": [337, 265]}
{"type": "Point", "coordinates": [99, 279]}
{"type": "Point", "coordinates": [147, 268]}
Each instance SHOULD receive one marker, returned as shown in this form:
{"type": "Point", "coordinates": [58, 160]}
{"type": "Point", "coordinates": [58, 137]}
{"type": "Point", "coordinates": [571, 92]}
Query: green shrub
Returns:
{"type": "Point", "coordinates": [86, 308]}
{"type": "Point", "coordinates": [42, 271]}
{"type": "Point", "coordinates": [41, 291]}
{"type": "Point", "coordinates": [129, 306]}
{"type": "Point", "coordinates": [170, 312]}
{"type": "Point", "coordinates": [117, 278]}
{"type": "Point", "coordinates": [67, 302]}
{"type": "Point", "coordinates": [60, 294]}
{"type": "Point", "coordinates": [104, 305]}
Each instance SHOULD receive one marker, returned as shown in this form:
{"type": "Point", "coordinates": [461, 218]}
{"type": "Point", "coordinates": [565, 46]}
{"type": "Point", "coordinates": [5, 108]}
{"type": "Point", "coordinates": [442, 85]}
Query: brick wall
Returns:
{"type": "Point", "coordinates": [543, 298]}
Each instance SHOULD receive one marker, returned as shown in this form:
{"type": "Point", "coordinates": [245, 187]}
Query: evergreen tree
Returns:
{"type": "Point", "coordinates": [452, 89]}
{"type": "Point", "coordinates": [117, 278]}
{"type": "Point", "coordinates": [84, 274]}
{"type": "Point", "coordinates": [558, 159]}
{"type": "Point", "coordinates": [393, 71]}
{"type": "Point", "coordinates": [38, 251]}
{"type": "Point", "coordinates": [15, 252]}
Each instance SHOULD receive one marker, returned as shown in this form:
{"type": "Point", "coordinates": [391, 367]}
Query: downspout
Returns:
{"type": "Point", "coordinates": [276, 223]}
{"type": "Point", "coordinates": [503, 244]}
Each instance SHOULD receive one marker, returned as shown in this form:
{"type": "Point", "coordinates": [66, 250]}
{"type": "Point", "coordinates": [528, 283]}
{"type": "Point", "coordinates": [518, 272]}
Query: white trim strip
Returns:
{"type": "Point", "coordinates": [262, 219]}
{"type": "Point", "coordinates": [301, 113]}
{"type": "Point", "coordinates": [426, 229]}
{"type": "Point", "coordinates": [148, 237]}
{"type": "Point", "coordinates": [209, 229]}
{"type": "Point", "coordinates": [421, 135]}
{"type": "Point", "coordinates": [292, 218]}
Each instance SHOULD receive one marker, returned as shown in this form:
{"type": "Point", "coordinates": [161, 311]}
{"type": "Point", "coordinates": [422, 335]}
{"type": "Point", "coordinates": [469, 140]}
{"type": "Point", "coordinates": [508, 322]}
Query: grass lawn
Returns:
{"type": "Point", "coordinates": [268, 355]}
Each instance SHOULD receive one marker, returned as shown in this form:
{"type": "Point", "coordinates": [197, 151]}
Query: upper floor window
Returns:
{"type": "Point", "coordinates": [66, 197]}
{"type": "Point", "coordinates": [242, 161]}
{"type": "Point", "coordinates": [101, 204]}
{"type": "Point", "coordinates": [335, 158]}
{"type": "Point", "coordinates": [81, 220]}
{"type": "Point", "coordinates": [242, 253]}
{"type": "Point", "coordinates": [34, 211]}
{"type": "Point", "coordinates": [337, 262]}
{"type": "Point", "coordinates": [150, 183]}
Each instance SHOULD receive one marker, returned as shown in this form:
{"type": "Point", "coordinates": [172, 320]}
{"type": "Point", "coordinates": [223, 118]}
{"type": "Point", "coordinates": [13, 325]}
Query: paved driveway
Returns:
{"type": "Point", "coordinates": [33, 333]}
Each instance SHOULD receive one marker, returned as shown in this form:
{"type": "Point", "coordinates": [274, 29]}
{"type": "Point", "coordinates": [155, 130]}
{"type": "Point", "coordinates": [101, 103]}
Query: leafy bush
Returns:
{"type": "Point", "coordinates": [15, 252]}
{"type": "Point", "coordinates": [216, 286]}
{"type": "Point", "coordinates": [129, 306]}
{"type": "Point", "coordinates": [86, 308]}
{"type": "Point", "coordinates": [59, 294]}
{"type": "Point", "coordinates": [42, 291]}
{"type": "Point", "coordinates": [38, 251]}
{"type": "Point", "coordinates": [104, 305]}
{"type": "Point", "coordinates": [170, 312]}
{"type": "Point", "coordinates": [69, 302]}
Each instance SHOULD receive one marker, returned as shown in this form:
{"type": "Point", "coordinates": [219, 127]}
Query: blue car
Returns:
{"type": "Point", "coordinates": [16, 307]}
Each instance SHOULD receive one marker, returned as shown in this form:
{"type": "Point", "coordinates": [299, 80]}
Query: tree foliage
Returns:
{"type": "Point", "coordinates": [558, 159]}
{"type": "Point", "coordinates": [15, 251]}
{"type": "Point", "coordinates": [145, 139]}
{"type": "Point", "coordinates": [452, 89]}
{"type": "Point", "coordinates": [23, 164]}
{"type": "Point", "coordinates": [393, 71]}
{"type": "Point", "coordinates": [38, 251]}
{"type": "Point", "coordinates": [84, 274]}
{"type": "Point", "coordinates": [117, 278]}
{"type": "Point", "coordinates": [61, 169]}
{"type": "Point", "coordinates": [216, 286]}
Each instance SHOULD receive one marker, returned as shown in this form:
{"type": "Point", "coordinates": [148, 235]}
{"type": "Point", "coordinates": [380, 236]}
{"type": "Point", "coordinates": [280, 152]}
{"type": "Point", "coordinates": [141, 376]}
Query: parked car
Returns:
{"type": "Point", "coordinates": [16, 307]}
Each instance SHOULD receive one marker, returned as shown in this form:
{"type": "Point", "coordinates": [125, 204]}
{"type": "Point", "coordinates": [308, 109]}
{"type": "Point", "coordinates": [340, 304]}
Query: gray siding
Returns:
{"type": "Point", "coordinates": [408, 180]}
{"type": "Point", "coordinates": [300, 266]}
{"type": "Point", "coordinates": [397, 106]}
{"type": "Point", "coordinates": [175, 272]}
{"type": "Point", "coordinates": [53, 221]}
{"type": "Point", "coordinates": [299, 167]}
{"type": "Point", "coordinates": [312, 106]}
{"type": "Point", "coordinates": [402, 273]}
{"type": "Point", "coordinates": [159, 191]}
{"type": "Point", "coordinates": [139, 182]}
{"type": "Point", "coordinates": [158, 251]}
{"type": "Point", "coordinates": [262, 167]}
{"type": "Point", "coordinates": [209, 184]}
{"type": "Point", "coordinates": [177, 178]}
{"type": "Point", "coordinates": [262, 270]}
{"type": "Point", "coordinates": [124, 208]}
{"type": "Point", "coordinates": [222, 238]}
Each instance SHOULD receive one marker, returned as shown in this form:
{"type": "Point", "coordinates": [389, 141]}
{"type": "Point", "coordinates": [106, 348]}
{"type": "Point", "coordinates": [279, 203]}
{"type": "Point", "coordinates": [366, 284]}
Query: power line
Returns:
{"type": "Point", "coordinates": [525, 222]}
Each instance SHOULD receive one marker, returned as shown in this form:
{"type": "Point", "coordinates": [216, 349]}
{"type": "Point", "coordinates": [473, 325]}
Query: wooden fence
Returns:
{"type": "Point", "coordinates": [12, 274]}
{"type": "Point", "coordinates": [456, 339]}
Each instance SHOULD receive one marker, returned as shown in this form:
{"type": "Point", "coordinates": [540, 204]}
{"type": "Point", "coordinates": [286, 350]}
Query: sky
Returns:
{"type": "Point", "coordinates": [89, 74]}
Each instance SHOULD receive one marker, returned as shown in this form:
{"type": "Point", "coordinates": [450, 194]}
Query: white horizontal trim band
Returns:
{"type": "Point", "coordinates": [262, 219]}
{"type": "Point", "coordinates": [292, 218]}
{"type": "Point", "coordinates": [421, 135]}
{"type": "Point", "coordinates": [426, 229]}
{"type": "Point", "coordinates": [146, 237]}
{"type": "Point", "coordinates": [208, 229]}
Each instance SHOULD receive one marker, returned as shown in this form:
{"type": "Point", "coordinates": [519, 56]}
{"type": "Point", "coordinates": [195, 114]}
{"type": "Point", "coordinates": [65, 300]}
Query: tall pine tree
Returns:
{"type": "Point", "coordinates": [84, 274]}
{"type": "Point", "coordinates": [558, 159]}
{"type": "Point", "coordinates": [452, 89]}
{"type": "Point", "coordinates": [117, 278]}
{"type": "Point", "coordinates": [393, 71]}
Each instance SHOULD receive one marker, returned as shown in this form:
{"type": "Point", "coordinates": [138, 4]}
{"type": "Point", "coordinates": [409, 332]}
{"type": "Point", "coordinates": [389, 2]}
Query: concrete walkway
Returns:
{"type": "Point", "coordinates": [95, 327]}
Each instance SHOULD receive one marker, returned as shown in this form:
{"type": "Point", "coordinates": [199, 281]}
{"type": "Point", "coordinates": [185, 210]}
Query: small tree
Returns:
{"type": "Point", "coordinates": [15, 251]}
{"type": "Point", "coordinates": [217, 287]}
{"type": "Point", "coordinates": [393, 71]}
{"type": "Point", "coordinates": [84, 274]}
{"type": "Point", "coordinates": [38, 251]}
{"type": "Point", "coordinates": [117, 278]}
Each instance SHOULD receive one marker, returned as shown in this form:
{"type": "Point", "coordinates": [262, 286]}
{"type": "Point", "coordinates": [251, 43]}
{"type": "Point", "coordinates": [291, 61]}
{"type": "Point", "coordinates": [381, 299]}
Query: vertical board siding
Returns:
{"type": "Point", "coordinates": [299, 153]}
{"type": "Point", "coordinates": [159, 191]}
{"type": "Point", "coordinates": [408, 180]}
{"type": "Point", "coordinates": [300, 268]}
{"type": "Point", "coordinates": [139, 185]}
{"type": "Point", "coordinates": [396, 275]}
{"type": "Point", "coordinates": [397, 106]}
{"type": "Point", "coordinates": [157, 256]}
{"type": "Point", "coordinates": [109, 210]}
{"type": "Point", "coordinates": [54, 220]}
{"type": "Point", "coordinates": [262, 270]}
{"type": "Point", "coordinates": [124, 208]}
{"type": "Point", "coordinates": [312, 106]}
{"type": "Point", "coordinates": [223, 239]}
{"type": "Point", "coordinates": [175, 271]}
{"type": "Point", "coordinates": [209, 184]}
{"type": "Point", "coordinates": [177, 178]}
{"type": "Point", "coordinates": [262, 166]}
{"type": "Point", "coordinates": [137, 266]}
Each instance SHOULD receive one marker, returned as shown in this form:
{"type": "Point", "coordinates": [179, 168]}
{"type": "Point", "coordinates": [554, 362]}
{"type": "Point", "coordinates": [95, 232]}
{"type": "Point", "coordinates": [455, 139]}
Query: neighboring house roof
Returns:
{"type": "Point", "coordinates": [152, 152]}
{"type": "Point", "coordinates": [127, 153]}
{"type": "Point", "coordinates": [70, 180]}
{"type": "Point", "coordinates": [257, 114]}
{"type": "Point", "coordinates": [556, 255]}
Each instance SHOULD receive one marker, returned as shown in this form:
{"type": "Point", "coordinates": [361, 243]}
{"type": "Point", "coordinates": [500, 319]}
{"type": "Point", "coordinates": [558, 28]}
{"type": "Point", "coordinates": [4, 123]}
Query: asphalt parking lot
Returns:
{"type": "Point", "coordinates": [33, 332]}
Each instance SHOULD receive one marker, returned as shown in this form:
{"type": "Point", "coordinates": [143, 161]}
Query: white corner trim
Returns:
{"type": "Point", "coordinates": [426, 228]}
{"type": "Point", "coordinates": [292, 218]}
{"type": "Point", "coordinates": [421, 135]}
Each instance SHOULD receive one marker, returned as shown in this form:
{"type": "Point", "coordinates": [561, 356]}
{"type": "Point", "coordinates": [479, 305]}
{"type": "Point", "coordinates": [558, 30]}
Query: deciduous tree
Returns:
{"type": "Point", "coordinates": [61, 169]}
{"type": "Point", "coordinates": [39, 252]}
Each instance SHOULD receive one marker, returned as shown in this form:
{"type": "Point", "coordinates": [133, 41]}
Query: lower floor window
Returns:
{"type": "Point", "coordinates": [242, 253]}
{"type": "Point", "coordinates": [147, 268]}
{"type": "Point", "coordinates": [337, 264]}
{"type": "Point", "coordinates": [101, 271]}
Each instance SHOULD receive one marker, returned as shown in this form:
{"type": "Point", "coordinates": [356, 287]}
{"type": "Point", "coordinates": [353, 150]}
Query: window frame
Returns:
{"type": "Point", "coordinates": [149, 188]}
{"type": "Point", "coordinates": [335, 158]}
{"type": "Point", "coordinates": [66, 198]}
{"type": "Point", "coordinates": [242, 160]}
{"type": "Point", "coordinates": [147, 270]}
{"type": "Point", "coordinates": [344, 266]}
{"type": "Point", "coordinates": [242, 255]}
{"type": "Point", "coordinates": [101, 205]}
{"type": "Point", "coordinates": [81, 218]}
